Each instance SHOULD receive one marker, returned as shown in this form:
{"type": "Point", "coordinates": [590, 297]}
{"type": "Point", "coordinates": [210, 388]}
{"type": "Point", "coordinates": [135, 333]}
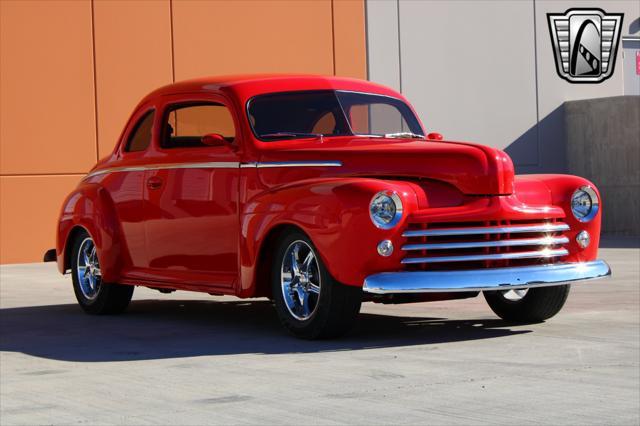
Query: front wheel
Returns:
{"type": "Point", "coordinates": [94, 295]}
{"type": "Point", "coordinates": [309, 302]}
{"type": "Point", "coordinates": [528, 305]}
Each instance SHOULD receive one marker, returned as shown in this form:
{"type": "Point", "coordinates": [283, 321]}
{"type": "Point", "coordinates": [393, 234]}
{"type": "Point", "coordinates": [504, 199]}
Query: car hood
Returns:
{"type": "Point", "coordinates": [473, 169]}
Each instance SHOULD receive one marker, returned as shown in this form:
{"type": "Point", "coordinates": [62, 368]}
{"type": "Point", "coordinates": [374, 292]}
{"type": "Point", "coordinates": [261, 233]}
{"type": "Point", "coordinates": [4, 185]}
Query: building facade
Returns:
{"type": "Point", "coordinates": [72, 71]}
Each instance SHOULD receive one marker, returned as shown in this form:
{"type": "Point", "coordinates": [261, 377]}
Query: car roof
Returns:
{"type": "Point", "coordinates": [246, 86]}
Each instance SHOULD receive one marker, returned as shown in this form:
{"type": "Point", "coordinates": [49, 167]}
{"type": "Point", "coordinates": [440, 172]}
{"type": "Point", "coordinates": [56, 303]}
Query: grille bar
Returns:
{"type": "Point", "coordinates": [516, 229]}
{"type": "Point", "coordinates": [538, 254]}
{"type": "Point", "coordinates": [545, 241]}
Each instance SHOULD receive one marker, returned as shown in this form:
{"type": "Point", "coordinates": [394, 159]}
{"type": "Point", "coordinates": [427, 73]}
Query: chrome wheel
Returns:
{"type": "Point", "coordinates": [88, 271]}
{"type": "Point", "coordinates": [300, 280]}
{"type": "Point", "coordinates": [515, 295]}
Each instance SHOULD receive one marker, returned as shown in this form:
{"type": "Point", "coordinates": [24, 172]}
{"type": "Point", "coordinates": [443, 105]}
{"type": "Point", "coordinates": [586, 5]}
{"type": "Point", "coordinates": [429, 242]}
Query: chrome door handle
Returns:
{"type": "Point", "coordinates": [154, 183]}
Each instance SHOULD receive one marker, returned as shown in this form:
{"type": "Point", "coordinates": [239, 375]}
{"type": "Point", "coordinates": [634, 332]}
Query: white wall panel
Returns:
{"type": "Point", "coordinates": [469, 68]}
{"type": "Point", "coordinates": [484, 71]}
{"type": "Point", "coordinates": [382, 43]}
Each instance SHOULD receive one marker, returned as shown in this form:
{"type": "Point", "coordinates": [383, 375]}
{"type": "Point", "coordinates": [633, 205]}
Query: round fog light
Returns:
{"type": "Point", "coordinates": [385, 248]}
{"type": "Point", "coordinates": [583, 239]}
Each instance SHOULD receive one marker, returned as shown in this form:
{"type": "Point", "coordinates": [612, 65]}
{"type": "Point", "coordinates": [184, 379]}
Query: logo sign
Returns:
{"type": "Point", "coordinates": [585, 42]}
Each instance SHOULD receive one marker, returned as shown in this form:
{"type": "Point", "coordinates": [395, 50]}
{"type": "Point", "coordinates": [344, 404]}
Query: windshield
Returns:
{"type": "Point", "coordinates": [291, 115]}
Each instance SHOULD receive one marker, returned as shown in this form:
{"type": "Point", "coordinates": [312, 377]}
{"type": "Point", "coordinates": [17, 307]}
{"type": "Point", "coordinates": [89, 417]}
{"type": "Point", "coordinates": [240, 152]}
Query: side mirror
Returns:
{"type": "Point", "coordinates": [434, 136]}
{"type": "Point", "coordinates": [214, 139]}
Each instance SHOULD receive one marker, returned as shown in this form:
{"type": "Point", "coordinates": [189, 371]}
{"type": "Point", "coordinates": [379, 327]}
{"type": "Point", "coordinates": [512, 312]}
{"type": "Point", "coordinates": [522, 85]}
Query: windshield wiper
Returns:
{"type": "Point", "coordinates": [404, 135]}
{"type": "Point", "coordinates": [292, 135]}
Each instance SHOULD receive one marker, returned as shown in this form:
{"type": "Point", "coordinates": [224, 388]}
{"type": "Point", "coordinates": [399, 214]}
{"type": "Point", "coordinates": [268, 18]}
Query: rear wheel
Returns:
{"type": "Point", "coordinates": [528, 305]}
{"type": "Point", "coordinates": [94, 295]}
{"type": "Point", "coordinates": [309, 302]}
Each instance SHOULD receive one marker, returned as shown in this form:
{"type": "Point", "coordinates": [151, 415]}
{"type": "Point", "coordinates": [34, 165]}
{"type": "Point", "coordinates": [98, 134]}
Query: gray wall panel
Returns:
{"type": "Point", "coordinates": [484, 70]}
{"type": "Point", "coordinates": [383, 53]}
{"type": "Point", "coordinates": [631, 48]}
{"type": "Point", "coordinates": [470, 72]}
{"type": "Point", "coordinates": [554, 91]}
{"type": "Point", "coordinates": [603, 141]}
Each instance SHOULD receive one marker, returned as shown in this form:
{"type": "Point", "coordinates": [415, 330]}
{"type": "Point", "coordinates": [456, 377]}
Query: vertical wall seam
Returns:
{"type": "Point", "coordinates": [537, 103]}
{"type": "Point", "coordinates": [173, 56]}
{"type": "Point", "coordinates": [535, 61]}
{"type": "Point", "coordinates": [333, 36]}
{"type": "Point", "coordinates": [366, 39]}
{"type": "Point", "coordinates": [95, 79]}
{"type": "Point", "coordinates": [399, 48]}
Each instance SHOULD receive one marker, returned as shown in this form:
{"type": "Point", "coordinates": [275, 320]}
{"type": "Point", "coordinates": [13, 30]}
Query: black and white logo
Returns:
{"type": "Point", "coordinates": [585, 42]}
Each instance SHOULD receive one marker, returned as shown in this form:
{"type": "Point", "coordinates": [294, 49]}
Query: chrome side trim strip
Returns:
{"type": "Point", "coordinates": [485, 279]}
{"type": "Point", "coordinates": [270, 164]}
{"type": "Point", "coordinates": [208, 165]}
{"type": "Point", "coordinates": [551, 227]}
{"type": "Point", "coordinates": [114, 170]}
{"type": "Point", "coordinates": [216, 165]}
{"type": "Point", "coordinates": [546, 241]}
{"type": "Point", "coordinates": [542, 254]}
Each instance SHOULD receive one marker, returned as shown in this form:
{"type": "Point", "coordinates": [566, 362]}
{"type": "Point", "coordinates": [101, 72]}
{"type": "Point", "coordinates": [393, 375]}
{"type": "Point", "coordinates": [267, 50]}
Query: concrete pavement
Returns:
{"type": "Point", "coordinates": [188, 358]}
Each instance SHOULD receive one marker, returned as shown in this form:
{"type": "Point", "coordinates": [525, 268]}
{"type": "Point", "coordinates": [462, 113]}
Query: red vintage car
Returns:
{"type": "Point", "coordinates": [319, 193]}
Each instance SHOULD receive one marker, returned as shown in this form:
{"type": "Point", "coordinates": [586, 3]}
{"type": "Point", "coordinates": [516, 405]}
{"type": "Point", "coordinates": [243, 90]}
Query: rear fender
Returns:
{"type": "Point", "coordinates": [90, 207]}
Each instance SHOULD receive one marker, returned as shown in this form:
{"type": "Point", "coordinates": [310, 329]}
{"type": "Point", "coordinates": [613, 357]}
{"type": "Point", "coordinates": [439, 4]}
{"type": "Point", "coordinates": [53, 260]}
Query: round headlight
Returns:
{"type": "Point", "coordinates": [385, 209]}
{"type": "Point", "coordinates": [584, 204]}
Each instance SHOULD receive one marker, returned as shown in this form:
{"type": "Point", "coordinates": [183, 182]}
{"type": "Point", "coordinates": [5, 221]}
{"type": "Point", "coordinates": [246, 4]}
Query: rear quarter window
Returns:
{"type": "Point", "coordinates": [140, 137]}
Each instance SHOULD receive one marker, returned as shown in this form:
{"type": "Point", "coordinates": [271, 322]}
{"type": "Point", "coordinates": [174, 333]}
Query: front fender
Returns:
{"type": "Point", "coordinates": [334, 213]}
{"type": "Point", "coordinates": [90, 207]}
{"type": "Point", "coordinates": [559, 189]}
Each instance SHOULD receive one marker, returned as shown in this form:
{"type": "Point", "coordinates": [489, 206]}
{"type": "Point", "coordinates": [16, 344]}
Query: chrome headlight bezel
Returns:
{"type": "Point", "coordinates": [397, 215]}
{"type": "Point", "coordinates": [595, 203]}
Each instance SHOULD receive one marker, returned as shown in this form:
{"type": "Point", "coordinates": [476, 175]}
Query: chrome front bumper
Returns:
{"type": "Point", "coordinates": [485, 279]}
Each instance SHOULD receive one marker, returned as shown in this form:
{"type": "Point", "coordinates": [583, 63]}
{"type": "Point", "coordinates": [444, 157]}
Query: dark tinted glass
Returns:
{"type": "Point", "coordinates": [297, 113]}
{"type": "Point", "coordinates": [329, 113]}
{"type": "Point", "coordinates": [140, 138]}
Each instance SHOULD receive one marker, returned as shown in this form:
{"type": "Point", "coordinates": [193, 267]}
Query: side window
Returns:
{"type": "Point", "coordinates": [140, 137]}
{"type": "Point", "coordinates": [185, 125]}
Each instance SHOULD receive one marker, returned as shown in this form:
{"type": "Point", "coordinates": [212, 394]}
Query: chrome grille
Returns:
{"type": "Point", "coordinates": [484, 244]}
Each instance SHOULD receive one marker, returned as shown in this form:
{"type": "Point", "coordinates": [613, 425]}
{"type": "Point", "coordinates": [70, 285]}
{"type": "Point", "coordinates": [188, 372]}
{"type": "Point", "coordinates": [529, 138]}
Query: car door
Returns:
{"type": "Point", "coordinates": [125, 187]}
{"type": "Point", "coordinates": [191, 196]}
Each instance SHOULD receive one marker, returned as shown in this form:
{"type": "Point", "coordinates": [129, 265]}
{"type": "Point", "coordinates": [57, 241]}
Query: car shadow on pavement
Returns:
{"type": "Point", "coordinates": [619, 241]}
{"type": "Point", "coordinates": [153, 329]}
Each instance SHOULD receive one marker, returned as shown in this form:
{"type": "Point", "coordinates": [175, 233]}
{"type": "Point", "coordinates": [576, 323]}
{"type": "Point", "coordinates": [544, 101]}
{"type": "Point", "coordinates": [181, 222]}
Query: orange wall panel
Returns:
{"type": "Point", "coordinates": [252, 36]}
{"type": "Point", "coordinates": [48, 105]}
{"type": "Point", "coordinates": [28, 220]}
{"type": "Point", "coordinates": [133, 57]}
{"type": "Point", "coordinates": [46, 87]}
{"type": "Point", "coordinates": [350, 38]}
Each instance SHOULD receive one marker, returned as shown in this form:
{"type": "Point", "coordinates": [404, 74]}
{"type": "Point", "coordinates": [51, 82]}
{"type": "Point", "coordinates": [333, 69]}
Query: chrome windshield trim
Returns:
{"type": "Point", "coordinates": [546, 241]}
{"type": "Point", "coordinates": [542, 254]}
{"type": "Point", "coordinates": [515, 229]}
{"type": "Point", "coordinates": [511, 278]}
